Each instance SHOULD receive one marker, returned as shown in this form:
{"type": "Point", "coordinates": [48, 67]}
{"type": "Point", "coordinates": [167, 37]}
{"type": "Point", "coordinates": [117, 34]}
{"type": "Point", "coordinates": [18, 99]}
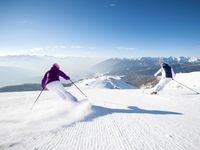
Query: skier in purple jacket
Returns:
{"type": "Point", "coordinates": [51, 82]}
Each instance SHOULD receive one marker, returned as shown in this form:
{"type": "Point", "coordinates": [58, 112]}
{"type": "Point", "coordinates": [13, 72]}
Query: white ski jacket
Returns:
{"type": "Point", "coordinates": [162, 71]}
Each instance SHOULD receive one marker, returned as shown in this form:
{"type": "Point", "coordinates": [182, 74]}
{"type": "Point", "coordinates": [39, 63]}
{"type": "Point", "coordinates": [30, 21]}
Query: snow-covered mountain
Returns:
{"type": "Point", "coordinates": [116, 119]}
{"type": "Point", "coordinates": [104, 82]}
{"type": "Point", "coordinates": [30, 69]}
{"type": "Point", "coordinates": [138, 70]}
{"type": "Point", "coordinates": [117, 64]}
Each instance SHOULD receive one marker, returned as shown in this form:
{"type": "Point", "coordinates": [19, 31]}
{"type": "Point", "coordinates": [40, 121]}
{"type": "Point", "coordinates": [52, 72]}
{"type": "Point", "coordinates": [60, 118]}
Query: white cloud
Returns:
{"type": "Point", "coordinates": [31, 51]}
{"type": "Point", "coordinates": [5, 52]}
{"type": "Point", "coordinates": [34, 51]}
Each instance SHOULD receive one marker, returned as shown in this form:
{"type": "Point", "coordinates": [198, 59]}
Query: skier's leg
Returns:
{"type": "Point", "coordinates": [57, 87]}
{"type": "Point", "coordinates": [50, 86]}
{"type": "Point", "coordinates": [161, 84]}
{"type": "Point", "coordinates": [167, 80]}
{"type": "Point", "coordinates": [53, 86]}
{"type": "Point", "coordinates": [70, 96]}
{"type": "Point", "coordinates": [65, 94]}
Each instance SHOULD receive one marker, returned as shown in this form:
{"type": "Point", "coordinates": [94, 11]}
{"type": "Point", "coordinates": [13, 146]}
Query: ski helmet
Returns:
{"type": "Point", "coordinates": [56, 65]}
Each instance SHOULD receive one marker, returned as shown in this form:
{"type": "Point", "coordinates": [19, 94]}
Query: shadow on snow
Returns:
{"type": "Point", "coordinates": [99, 111]}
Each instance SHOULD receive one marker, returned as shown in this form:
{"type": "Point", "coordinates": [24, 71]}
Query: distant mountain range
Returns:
{"type": "Point", "coordinates": [117, 64]}
{"type": "Point", "coordinates": [30, 69]}
{"type": "Point", "coordinates": [15, 75]}
{"type": "Point", "coordinates": [25, 87]}
{"type": "Point", "coordinates": [140, 70]}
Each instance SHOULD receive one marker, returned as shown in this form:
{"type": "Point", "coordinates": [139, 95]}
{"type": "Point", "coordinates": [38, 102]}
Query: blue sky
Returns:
{"type": "Point", "coordinates": [100, 28]}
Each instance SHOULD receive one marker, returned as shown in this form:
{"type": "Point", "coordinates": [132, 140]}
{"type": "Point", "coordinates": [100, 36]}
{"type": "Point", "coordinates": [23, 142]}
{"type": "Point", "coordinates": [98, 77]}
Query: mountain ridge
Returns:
{"type": "Point", "coordinates": [138, 71]}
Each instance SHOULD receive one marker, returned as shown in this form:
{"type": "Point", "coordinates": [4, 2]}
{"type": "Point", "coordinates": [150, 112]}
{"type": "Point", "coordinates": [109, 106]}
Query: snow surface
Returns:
{"type": "Point", "coordinates": [191, 80]}
{"type": "Point", "coordinates": [193, 59]}
{"type": "Point", "coordinates": [112, 119]}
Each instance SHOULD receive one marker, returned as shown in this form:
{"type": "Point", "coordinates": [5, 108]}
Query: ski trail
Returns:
{"type": "Point", "coordinates": [118, 119]}
{"type": "Point", "coordinates": [85, 135]}
{"type": "Point", "coordinates": [127, 144]}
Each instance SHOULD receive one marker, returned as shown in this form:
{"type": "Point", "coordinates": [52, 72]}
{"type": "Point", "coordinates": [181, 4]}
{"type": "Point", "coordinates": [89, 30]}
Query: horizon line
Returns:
{"type": "Point", "coordinates": [65, 56]}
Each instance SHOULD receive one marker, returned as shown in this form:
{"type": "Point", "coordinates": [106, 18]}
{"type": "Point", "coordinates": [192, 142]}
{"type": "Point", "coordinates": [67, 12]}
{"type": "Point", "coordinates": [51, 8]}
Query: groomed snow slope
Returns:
{"type": "Point", "coordinates": [191, 80]}
{"type": "Point", "coordinates": [117, 119]}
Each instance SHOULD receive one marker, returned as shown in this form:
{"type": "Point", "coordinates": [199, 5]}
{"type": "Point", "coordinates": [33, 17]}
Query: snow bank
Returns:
{"type": "Point", "coordinates": [191, 80]}
{"type": "Point", "coordinates": [104, 82]}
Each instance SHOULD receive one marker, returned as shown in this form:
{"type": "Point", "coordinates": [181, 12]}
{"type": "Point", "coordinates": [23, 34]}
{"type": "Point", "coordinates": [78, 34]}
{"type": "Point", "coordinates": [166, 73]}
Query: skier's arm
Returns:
{"type": "Point", "coordinates": [173, 74]}
{"type": "Point", "coordinates": [44, 80]}
{"type": "Point", "coordinates": [62, 74]}
{"type": "Point", "coordinates": [159, 71]}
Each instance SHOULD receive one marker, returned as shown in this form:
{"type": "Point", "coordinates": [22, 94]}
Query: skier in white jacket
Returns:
{"type": "Point", "coordinates": [167, 76]}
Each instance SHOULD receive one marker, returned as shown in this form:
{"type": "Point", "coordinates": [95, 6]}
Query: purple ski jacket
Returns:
{"type": "Point", "coordinates": [53, 75]}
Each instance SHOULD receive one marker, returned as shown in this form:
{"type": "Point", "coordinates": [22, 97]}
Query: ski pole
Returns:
{"type": "Point", "coordinates": [78, 88]}
{"type": "Point", "coordinates": [186, 87]}
{"type": "Point", "coordinates": [37, 98]}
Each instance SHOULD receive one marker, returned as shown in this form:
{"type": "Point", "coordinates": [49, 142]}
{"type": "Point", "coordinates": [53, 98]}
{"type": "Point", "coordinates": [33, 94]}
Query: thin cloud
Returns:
{"type": "Point", "coordinates": [36, 49]}
{"type": "Point", "coordinates": [14, 52]}
{"type": "Point", "coordinates": [126, 48]}
{"type": "Point", "coordinates": [56, 47]}
{"type": "Point", "coordinates": [76, 47]}
{"type": "Point", "coordinates": [23, 22]}
{"type": "Point", "coordinates": [92, 48]}
{"type": "Point", "coordinates": [62, 47]}
{"type": "Point", "coordinates": [4, 52]}
{"type": "Point", "coordinates": [111, 5]}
